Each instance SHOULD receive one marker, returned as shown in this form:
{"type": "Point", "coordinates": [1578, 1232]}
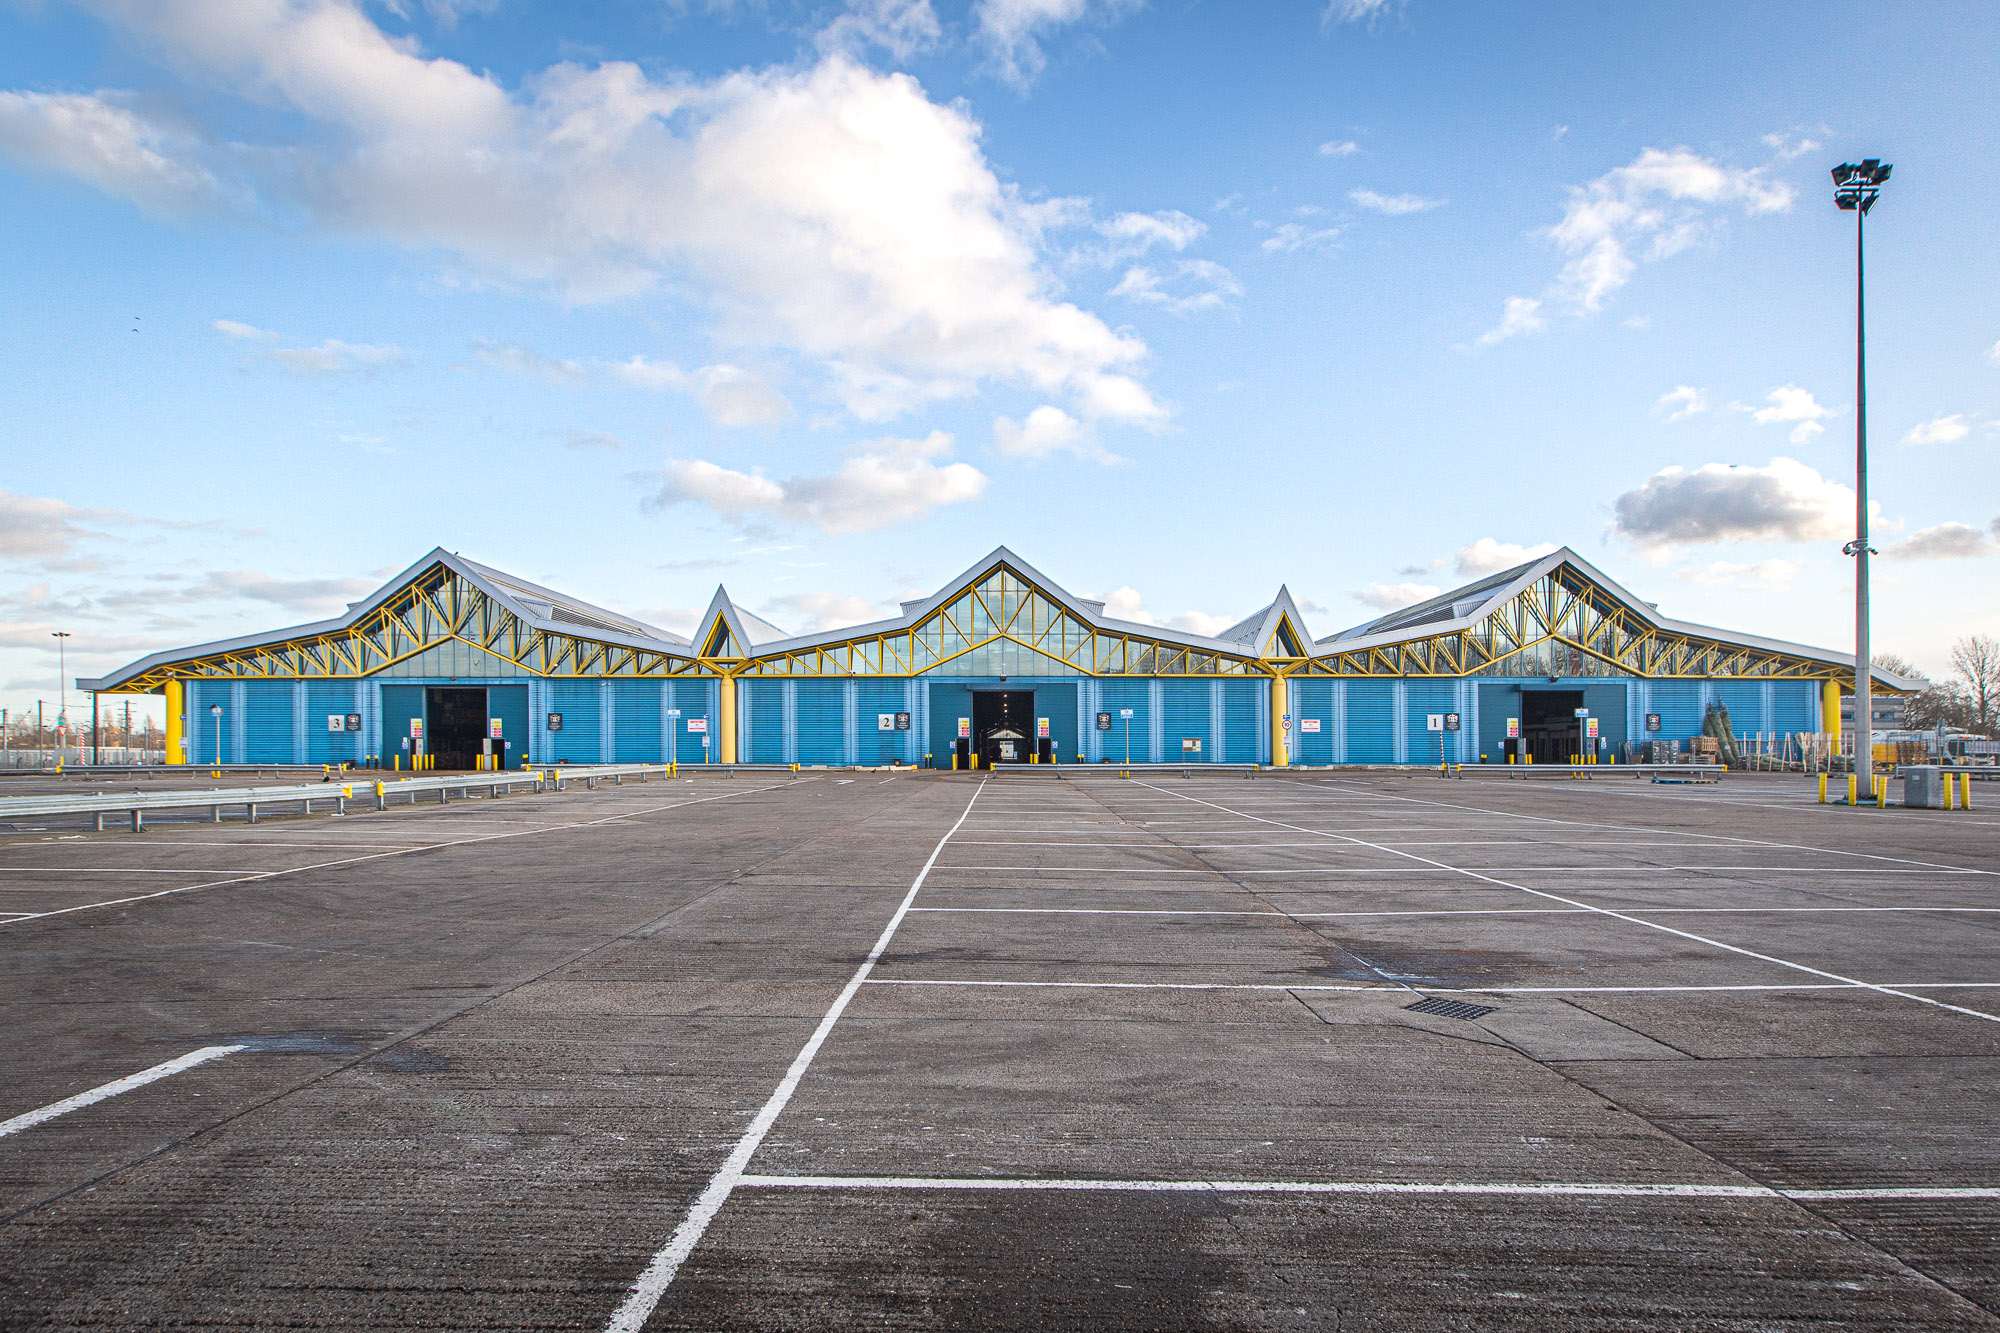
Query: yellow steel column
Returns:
{"type": "Point", "coordinates": [725, 744]}
{"type": "Point", "coordinates": [176, 748]}
{"type": "Point", "coordinates": [1829, 706]}
{"type": "Point", "coordinates": [1280, 737]}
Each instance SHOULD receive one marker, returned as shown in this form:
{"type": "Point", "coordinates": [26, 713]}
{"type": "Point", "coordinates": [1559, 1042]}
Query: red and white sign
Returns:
{"type": "Point", "coordinates": [697, 726]}
{"type": "Point", "coordinates": [1042, 728]}
{"type": "Point", "coordinates": [1308, 724]}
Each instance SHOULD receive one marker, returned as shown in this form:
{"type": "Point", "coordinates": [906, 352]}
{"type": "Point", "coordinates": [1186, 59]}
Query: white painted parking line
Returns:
{"type": "Point", "coordinates": [1980, 1014]}
{"type": "Point", "coordinates": [658, 1275]}
{"type": "Point", "coordinates": [1438, 911]}
{"type": "Point", "coordinates": [262, 876]}
{"type": "Point", "coordinates": [127, 870]}
{"type": "Point", "coordinates": [1461, 870]}
{"type": "Point", "coordinates": [29, 1119]}
{"type": "Point", "coordinates": [1437, 990]}
{"type": "Point", "coordinates": [1501, 1189]}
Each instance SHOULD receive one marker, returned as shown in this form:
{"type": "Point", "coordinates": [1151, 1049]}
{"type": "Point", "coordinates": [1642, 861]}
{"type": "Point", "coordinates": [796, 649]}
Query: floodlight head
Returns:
{"type": "Point", "coordinates": [1882, 172]}
{"type": "Point", "coordinates": [1844, 173]}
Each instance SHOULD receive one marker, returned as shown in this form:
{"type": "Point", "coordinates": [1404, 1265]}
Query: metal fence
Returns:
{"type": "Point", "coordinates": [78, 756]}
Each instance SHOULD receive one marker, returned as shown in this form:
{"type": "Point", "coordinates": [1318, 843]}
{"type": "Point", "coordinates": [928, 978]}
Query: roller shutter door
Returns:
{"type": "Point", "coordinates": [1127, 692]}
{"type": "Point", "coordinates": [872, 699]}
{"type": "Point", "coordinates": [1184, 705]}
{"type": "Point", "coordinates": [695, 699]}
{"type": "Point", "coordinates": [577, 701]}
{"type": "Point", "coordinates": [1242, 737]}
{"type": "Point", "coordinates": [268, 722]}
{"type": "Point", "coordinates": [201, 694]}
{"type": "Point", "coordinates": [822, 721]}
{"type": "Point", "coordinates": [1745, 701]}
{"type": "Point", "coordinates": [1607, 704]}
{"type": "Point", "coordinates": [1311, 699]}
{"type": "Point", "coordinates": [1371, 722]}
{"type": "Point", "coordinates": [635, 719]}
{"type": "Point", "coordinates": [763, 720]}
{"type": "Point", "coordinates": [325, 697]}
{"type": "Point", "coordinates": [1792, 705]}
{"type": "Point", "coordinates": [1421, 699]}
{"type": "Point", "coordinates": [1678, 702]}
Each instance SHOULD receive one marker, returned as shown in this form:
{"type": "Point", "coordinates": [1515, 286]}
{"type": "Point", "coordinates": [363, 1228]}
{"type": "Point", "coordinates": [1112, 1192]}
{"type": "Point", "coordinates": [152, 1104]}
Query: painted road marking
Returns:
{"type": "Point", "coordinates": [1640, 921]}
{"type": "Point", "coordinates": [652, 1283]}
{"type": "Point", "coordinates": [29, 1119]}
{"type": "Point", "coordinates": [1504, 1189]}
{"type": "Point", "coordinates": [1439, 911]}
{"type": "Point", "coordinates": [1441, 990]}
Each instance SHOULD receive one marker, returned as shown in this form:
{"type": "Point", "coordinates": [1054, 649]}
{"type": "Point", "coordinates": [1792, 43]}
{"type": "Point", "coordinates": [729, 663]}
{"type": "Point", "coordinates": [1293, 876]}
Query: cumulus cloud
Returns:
{"type": "Point", "coordinates": [1791, 144]}
{"type": "Point", "coordinates": [732, 396]}
{"type": "Point", "coordinates": [1352, 11]}
{"type": "Point", "coordinates": [1126, 604]}
{"type": "Point", "coordinates": [1656, 206]}
{"type": "Point", "coordinates": [1790, 405]}
{"type": "Point", "coordinates": [900, 27]}
{"type": "Point", "coordinates": [1012, 31]}
{"type": "Point", "coordinates": [1765, 573]}
{"type": "Point", "coordinates": [1681, 402]}
{"type": "Point", "coordinates": [1193, 284]}
{"type": "Point", "coordinates": [1946, 541]}
{"type": "Point", "coordinates": [1520, 315]}
{"type": "Point", "coordinates": [1487, 556]}
{"type": "Point", "coordinates": [832, 211]}
{"type": "Point", "coordinates": [1339, 148]}
{"type": "Point", "coordinates": [883, 484]}
{"type": "Point", "coordinates": [1395, 596]}
{"type": "Point", "coordinates": [331, 357]}
{"type": "Point", "coordinates": [1939, 430]}
{"type": "Point", "coordinates": [1131, 234]}
{"type": "Point", "coordinates": [1045, 432]}
{"type": "Point", "coordinates": [825, 610]}
{"type": "Point", "coordinates": [1394, 205]}
{"type": "Point", "coordinates": [34, 527]}
{"type": "Point", "coordinates": [102, 139]}
{"type": "Point", "coordinates": [1719, 502]}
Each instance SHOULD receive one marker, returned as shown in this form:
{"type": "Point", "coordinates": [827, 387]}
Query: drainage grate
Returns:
{"type": "Point", "coordinates": [1449, 1008]}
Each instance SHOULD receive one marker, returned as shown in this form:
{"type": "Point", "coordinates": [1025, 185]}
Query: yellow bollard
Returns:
{"type": "Point", "coordinates": [1822, 789]}
{"type": "Point", "coordinates": [1965, 791]}
{"type": "Point", "coordinates": [1881, 792]}
{"type": "Point", "coordinates": [1853, 788]}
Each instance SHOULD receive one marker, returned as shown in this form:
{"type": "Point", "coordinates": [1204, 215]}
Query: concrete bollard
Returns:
{"type": "Point", "coordinates": [138, 821]}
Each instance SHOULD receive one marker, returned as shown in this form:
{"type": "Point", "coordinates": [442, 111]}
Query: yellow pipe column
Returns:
{"type": "Point", "coordinates": [1829, 706]}
{"type": "Point", "coordinates": [1280, 738]}
{"type": "Point", "coordinates": [725, 744]}
{"type": "Point", "coordinates": [176, 740]}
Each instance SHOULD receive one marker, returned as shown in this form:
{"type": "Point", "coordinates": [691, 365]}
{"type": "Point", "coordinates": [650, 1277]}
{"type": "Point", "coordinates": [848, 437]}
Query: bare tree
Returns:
{"type": "Point", "coordinates": [1899, 664]}
{"type": "Point", "coordinates": [1943, 704]}
{"type": "Point", "coordinates": [1976, 658]}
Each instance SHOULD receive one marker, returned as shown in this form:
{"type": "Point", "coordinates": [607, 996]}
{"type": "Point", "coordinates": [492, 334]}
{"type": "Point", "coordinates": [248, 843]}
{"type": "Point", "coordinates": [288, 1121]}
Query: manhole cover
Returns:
{"type": "Point", "coordinates": [1449, 1008]}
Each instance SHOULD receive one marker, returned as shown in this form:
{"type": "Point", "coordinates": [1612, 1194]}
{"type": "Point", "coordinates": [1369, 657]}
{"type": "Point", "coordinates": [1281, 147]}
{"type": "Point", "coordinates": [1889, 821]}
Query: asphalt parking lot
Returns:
{"type": "Point", "coordinates": [936, 1051]}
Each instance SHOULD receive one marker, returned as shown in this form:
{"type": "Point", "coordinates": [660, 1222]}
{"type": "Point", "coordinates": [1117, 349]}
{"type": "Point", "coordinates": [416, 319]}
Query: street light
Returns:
{"type": "Point", "coordinates": [1855, 188]}
{"type": "Point", "coordinates": [215, 711]}
{"type": "Point", "coordinates": [62, 691]}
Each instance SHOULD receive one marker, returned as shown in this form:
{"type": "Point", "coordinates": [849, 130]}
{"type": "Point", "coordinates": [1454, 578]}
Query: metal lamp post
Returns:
{"type": "Point", "coordinates": [62, 693]}
{"type": "Point", "coordinates": [215, 711]}
{"type": "Point", "coordinates": [1855, 187]}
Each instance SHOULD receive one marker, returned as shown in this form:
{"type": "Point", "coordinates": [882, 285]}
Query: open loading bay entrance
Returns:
{"type": "Point", "coordinates": [1549, 724]}
{"type": "Point", "coordinates": [1003, 725]}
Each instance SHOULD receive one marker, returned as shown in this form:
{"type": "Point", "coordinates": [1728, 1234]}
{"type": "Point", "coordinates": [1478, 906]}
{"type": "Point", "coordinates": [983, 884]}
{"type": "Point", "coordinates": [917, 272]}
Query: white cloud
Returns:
{"type": "Point", "coordinates": [1203, 285]}
{"type": "Point", "coordinates": [591, 439]}
{"type": "Point", "coordinates": [732, 396]}
{"type": "Point", "coordinates": [1487, 556]}
{"type": "Point", "coordinates": [99, 139]}
{"type": "Point", "coordinates": [1395, 596]}
{"type": "Point", "coordinates": [237, 331]}
{"type": "Point", "coordinates": [1792, 144]}
{"type": "Point", "coordinates": [833, 212]}
{"type": "Point", "coordinates": [331, 357]}
{"type": "Point", "coordinates": [1290, 236]}
{"type": "Point", "coordinates": [1126, 604]}
{"type": "Point", "coordinates": [1946, 541]}
{"type": "Point", "coordinates": [900, 27]}
{"type": "Point", "coordinates": [1791, 405]}
{"type": "Point", "coordinates": [1352, 11]}
{"type": "Point", "coordinates": [1136, 233]}
{"type": "Point", "coordinates": [1012, 31]}
{"type": "Point", "coordinates": [1993, 354]}
{"type": "Point", "coordinates": [1521, 315]}
{"type": "Point", "coordinates": [1785, 501]}
{"type": "Point", "coordinates": [826, 610]}
{"type": "Point", "coordinates": [1339, 148]}
{"type": "Point", "coordinates": [1045, 432]}
{"type": "Point", "coordinates": [641, 373]}
{"type": "Point", "coordinates": [1394, 205]}
{"type": "Point", "coordinates": [1939, 430]}
{"type": "Point", "coordinates": [1656, 206]}
{"type": "Point", "coordinates": [1681, 402]}
{"type": "Point", "coordinates": [526, 362]}
{"type": "Point", "coordinates": [320, 596]}
{"type": "Point", "coordinates": [883, 484]}
{"type": "Point", "coordinates": [1766, 573]}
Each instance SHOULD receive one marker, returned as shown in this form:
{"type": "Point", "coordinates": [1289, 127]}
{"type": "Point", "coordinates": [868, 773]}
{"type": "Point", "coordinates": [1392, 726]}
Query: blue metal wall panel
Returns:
{"type": "Point", "coordinates": [324, 698]}
{"type": "Point", "coordinates": [268, 722]}
{"type": "Point", "coordinates": [635, 711]}
{"type": "Point", "coordinates": [509, 703]}
{"type": "Point", "coordinates": [1745, 701]}
{"type": "Point", "coordinates": [821, 721]}
{"type": "Point", "coordinates": [1241, 738]}
{"type": "Point", "coordinates": [1185, 706]}
{"type": "Point", "coordinates": [202, 747]}
{"type": "Point", "coordinates": [1497, 703]}
{"type": "Point", "coordinates": [1057, 703]}
{"type": "Point", "coordinates": [580, 740]}
{"type": "Point", "coordinates": [1678, 702]}
{"type": "Point", "coordinates": [1421, 698]}
{"type": "Point", "coordinates": [760, 706]}
{"type": "Point", "coordinates": [1607, 704]}
{"type": "Point", "coordinates": [1371, 722]}
{"type": "Point", "coordinates": [1311, 699]}
{"type": "Point", "coordinates": [873, 698]}
{"type": "Point", "coordinates": [1128, 740]}
{"type": "Point", "coordinates": [1792, 705]}
{"type": "Point", "coordinates": [947, 704]}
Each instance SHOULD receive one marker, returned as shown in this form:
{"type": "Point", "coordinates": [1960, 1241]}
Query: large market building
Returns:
{"type": "Point", "coordinates": [462, 662]}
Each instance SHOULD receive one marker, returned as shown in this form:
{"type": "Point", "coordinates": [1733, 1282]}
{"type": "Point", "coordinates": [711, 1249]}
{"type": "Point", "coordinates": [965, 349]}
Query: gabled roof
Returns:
{"type": "Point", "coordinates": [1460, 608]}
{"type": "Point", "coordinates": [1266, 629]}
{"type": "Point", "coordinates": [541, 608]}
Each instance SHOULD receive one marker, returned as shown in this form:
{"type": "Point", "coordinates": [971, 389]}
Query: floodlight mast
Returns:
{"type": "Point", "coordinates": [1856, 185]}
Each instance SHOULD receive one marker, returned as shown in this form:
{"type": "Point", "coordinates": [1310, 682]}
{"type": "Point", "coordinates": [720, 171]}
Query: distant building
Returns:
{"type": "Point", "coordinates": [1887, 708]}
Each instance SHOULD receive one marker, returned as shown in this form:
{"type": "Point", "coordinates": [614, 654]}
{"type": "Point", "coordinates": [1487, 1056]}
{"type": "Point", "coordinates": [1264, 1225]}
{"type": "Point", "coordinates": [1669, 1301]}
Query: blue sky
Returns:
{"type": "Point", "coordinates": [822, 301]}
